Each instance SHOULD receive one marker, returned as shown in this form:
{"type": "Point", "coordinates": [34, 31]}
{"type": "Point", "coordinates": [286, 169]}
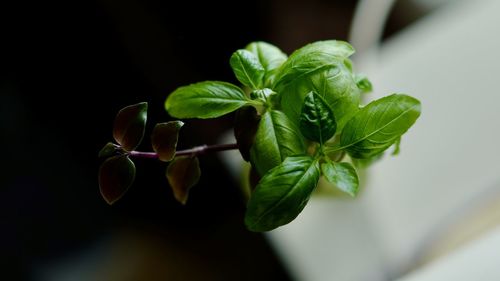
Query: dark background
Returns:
{"type": "Point", "coordinates": [67, 68]}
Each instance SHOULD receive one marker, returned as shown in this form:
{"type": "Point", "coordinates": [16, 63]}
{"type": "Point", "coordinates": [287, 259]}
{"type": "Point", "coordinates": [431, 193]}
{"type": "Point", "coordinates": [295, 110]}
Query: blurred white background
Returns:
{"type": "Point", "coordinates": [433, 208]}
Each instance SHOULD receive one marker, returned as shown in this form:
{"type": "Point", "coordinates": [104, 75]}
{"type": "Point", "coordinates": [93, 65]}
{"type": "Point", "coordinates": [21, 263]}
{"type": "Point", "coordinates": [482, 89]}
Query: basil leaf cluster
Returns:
{"type": "Point", "coordinates": [298, 117]}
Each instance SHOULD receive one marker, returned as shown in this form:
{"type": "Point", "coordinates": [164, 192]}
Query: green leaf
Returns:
{"type": "Point", "coordinates": [397, 147]}
{"type": "Point", "coordinates": [164, 139]}
{"type": "Point", "coordinates": [276, 139]}
{"type": "Point", "coordinates": [270, 57]}
{"type": "Point", "coordinates": [247, 68]}
{"type": "Point", "coordinates": [129, 125]}
{"type": "Point", "coordinates": [363, 83]}
{"type": "Point", "coordinates": [262, 94]}
{"type": "Point", "coordinates": [182, 174]}
{"type": "Point", "coordinates": [320, 67]}
{"type": "Point", "coordinates": [317, 122]}
{"type": "Point", "coordinates": [343, 175]}
{"type": "Point", "coordinates": [110, 149]}
{"type": "Point", "coordinates": [245, 128]}
{"type": "Point", "coordinates": [207, 99]}
{"type": "Point", "coordinates": [312, 58]}
{"type": "Point", "coordinates": [379, 125]}
{"type": "Point", "coordinates": [116, 175]}
{"type": "Point", "coordinates": [282, 193]}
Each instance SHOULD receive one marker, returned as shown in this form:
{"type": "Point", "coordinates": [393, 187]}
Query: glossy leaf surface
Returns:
{"type": "Point", "coordinates": [129, 125]}
{"type": "Point", "coordinates": [164, 139]}
{"type": "Point", "coordinates": [247, 68]}
{"type": "Point", "coordinates": [276, 139]}
{"type": "Point", "coordinates": [324, 68]}
{"type": "Point", "coordinates": [282, 193]}
{"type": "Point", "coordinates": [311, 58]}
{"type": "Point", "coordinates": [207, 99]}
{"type": "Point", "coordinates": [342, 175]}
{"type": "Point", "coordinates": [379, 125]}
{"type": "Point", "coordinates": [270, 57]}
{"type": "Point", "coordinates": [317, 122]}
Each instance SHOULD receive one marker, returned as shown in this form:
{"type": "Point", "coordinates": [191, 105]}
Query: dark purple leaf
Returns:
{"type": "Point", "coordinates": [129, 125]}
{"type": "Point", "coordinates": [164, 139]}
{"type": "Point", "coordinates": [116, 175]}
{"type": "Point", "coordinates": [109, 149]}
{"type": "Point", "coordinates": [182, 174]}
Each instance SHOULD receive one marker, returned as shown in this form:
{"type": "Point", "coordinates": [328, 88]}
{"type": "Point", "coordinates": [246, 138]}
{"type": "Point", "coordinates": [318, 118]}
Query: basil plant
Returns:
{"type": "Point", "coordinates": [297, 117]}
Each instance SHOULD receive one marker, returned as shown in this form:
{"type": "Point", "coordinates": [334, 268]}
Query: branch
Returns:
{"type": "Point", "coordinates": [195, 151]}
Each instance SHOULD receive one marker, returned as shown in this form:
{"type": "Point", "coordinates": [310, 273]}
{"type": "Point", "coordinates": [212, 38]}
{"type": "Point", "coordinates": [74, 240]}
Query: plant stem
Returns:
{"type": "Point", "coordinates": [195, 151]}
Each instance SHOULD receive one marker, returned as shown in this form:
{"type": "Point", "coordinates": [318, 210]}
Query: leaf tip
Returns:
{"type": "Point", "coordinates": [181, 198]}
{"type": "Point", "coordinates": [182, 174]}
{"type": "Point", "coordinates": [129, 125]}
{"type": "Point", "coordinates": [109, 201]}
{"type": "Point", "coordinates": [353, 193]}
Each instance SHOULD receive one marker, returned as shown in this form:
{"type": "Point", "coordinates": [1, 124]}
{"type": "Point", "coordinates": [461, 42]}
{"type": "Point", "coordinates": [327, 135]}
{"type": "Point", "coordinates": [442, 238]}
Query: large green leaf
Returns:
{"type": "Point", "coordinates": [317, 122]}
{"type": "Point", "coordinates": [116, 175]}
{"type": "Point", "coordinates": [282, 193]}
{"type": "Point", "coordinates": [324, 68]}
{"type": "Point", "coordinates": [379, 125]}
{"type": "Point", "coordinates": [247, 68]}
{"type": "Point", "coordinates": [164, 139]}
{"type": "Point", "coordinates": [312, 58]}
{"type": "Point", "coordinates": [335, 85]}
{"type": "Point", "coordinates": [270, 57]}
{"type": "Point", "coordinates": [276, 139]}
{"type": "Point", "coordinates": [342, 175]}
{"type": "Point", "coordinates": [207, 99]}
{"type": "Point", "coordinates": [129, 125]}
{"type": "Point", "coordinates": [182, 174]}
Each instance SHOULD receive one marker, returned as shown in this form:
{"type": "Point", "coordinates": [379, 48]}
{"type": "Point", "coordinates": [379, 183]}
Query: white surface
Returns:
{"type": "Point", "coordinates": [478, 261]}
{"type": "Point", "coordinates": [451, 62]}
{"type": "Point", "coordinates": [330, 240]}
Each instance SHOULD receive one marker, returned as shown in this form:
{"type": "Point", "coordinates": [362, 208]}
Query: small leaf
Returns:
{"type": "Point", "coordinates": [164, 139]}
{"type": "Point", "coordinates": [342, 175]}
{"type": "Point", "coordinates": [262, 94]}
{"type": "Point", "coordinates": [397, 147]}
{"type": "Point", "coordinates": [378, 125]}
{"type": "Point", "coordinates": [110, 149]}
{"type": "Point", "coordinates": [245, 128]}
{"type": "Point", "coordinates": [317, 122]}
{"type": "Point", "coordinates": [116, 175]}
{"type": "Point", "coordinates": [282, 193]}
{"type": "Point", "coordinates": [129, 126]}
{"type": "Point", "coordinates": [276, 138]}
{"type": "Point", "coordinates": [270, 57]}
{"type": "Point", "coordinates": [207, 99]}
{"type": "Point", "coordinates": [363, 83]}
{"type": "Point", "coordinates": [247, 68]}
{"type": "Point", "coordinates": [182, 174]}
